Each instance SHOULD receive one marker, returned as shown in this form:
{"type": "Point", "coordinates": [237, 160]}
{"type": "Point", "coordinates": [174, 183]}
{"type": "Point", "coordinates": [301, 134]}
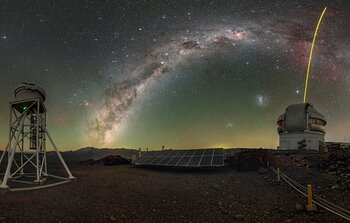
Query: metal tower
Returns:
{"type": "Point", "coordinates": [26, 150]}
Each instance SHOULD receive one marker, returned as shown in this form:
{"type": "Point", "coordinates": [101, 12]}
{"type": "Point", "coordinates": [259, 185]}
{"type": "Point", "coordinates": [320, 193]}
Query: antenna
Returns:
{"type": "Point", "coordinates": [312, 48]}
{"type": "Point", "coordinates": [28, 135]}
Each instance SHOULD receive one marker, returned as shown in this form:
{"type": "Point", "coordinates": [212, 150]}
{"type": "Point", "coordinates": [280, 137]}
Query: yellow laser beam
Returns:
{"type": "Point", "coordinates": [312, 48]}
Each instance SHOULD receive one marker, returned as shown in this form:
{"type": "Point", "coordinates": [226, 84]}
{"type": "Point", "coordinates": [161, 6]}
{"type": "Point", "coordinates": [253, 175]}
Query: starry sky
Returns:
{"type": "Point", "coordinates": [183, 74]}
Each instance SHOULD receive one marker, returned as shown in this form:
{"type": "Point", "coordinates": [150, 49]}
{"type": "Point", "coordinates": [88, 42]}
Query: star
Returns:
{"type": "Point", "coordinates": [177, 68]}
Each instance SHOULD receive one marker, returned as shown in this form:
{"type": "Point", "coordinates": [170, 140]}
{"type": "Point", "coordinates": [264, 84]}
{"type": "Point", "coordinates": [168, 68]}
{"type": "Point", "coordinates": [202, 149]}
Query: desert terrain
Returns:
{"type": "Point", "coordinates": [126, 193]}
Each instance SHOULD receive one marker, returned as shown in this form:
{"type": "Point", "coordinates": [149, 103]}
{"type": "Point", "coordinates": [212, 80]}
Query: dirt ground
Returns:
{"type": "Point", "coordinates": [130, 194]}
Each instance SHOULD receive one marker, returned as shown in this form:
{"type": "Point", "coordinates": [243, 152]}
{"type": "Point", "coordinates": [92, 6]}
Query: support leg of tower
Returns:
{"type": "Point", "coordinates": [12, 149]}
{"type": "Point", "coordinates": [70, 176]}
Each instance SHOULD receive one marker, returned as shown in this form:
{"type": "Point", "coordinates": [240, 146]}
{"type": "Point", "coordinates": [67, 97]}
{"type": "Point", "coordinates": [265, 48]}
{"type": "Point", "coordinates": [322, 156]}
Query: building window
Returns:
{"type": "Point", "coordinates": [317, 121]}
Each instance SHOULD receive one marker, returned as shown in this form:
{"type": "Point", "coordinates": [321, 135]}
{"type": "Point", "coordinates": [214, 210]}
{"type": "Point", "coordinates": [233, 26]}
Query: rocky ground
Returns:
{"type": "Point", "coordinates": [126, 193]}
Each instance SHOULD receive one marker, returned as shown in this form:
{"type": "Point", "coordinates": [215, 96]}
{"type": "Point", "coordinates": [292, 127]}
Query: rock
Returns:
{"type": "Point", "coordinates": [339, 162]}
{"type": "Point", "coordinates": [332, 168]}
{"type": "Point", "coordinates": [114, 160]}
{"type": "Point", "coordinates": [335, 186]}
{"type": "Point", "coordinates": [263, 170]}
{"type": "Point", "coordinates": [299, 207]}
{"type": "Point", "coordinates": [266, 213]}
{"type": "Point", "coordinates": [239, 217]}
{"type": "Point", "coordinates": [112, 218]}
{"type": "Point", "coordinates": [225, 211]}
{"type": "Point", "coordinates": [251, 160]}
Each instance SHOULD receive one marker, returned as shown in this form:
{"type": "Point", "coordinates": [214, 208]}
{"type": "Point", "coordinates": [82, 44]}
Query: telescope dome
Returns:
{"type": "Point", "coordinates": [301, 126]}
{"type": "Point", "coordinates": [29, 91]}
{"type": "Point", "coordinates": [301, 117]}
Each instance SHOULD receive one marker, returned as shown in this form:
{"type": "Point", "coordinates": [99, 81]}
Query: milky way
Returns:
{"type": "Point", "coordinates": [120, 96]}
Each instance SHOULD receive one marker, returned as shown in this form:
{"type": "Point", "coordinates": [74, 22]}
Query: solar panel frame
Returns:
{"type": "Point", "coordinates": [165, 156]}
{"type": "Point", "coordinates": [173, 157]}
{"type": "Point", "coordinates": [198, 158]}
{"type": "Point", "coordinates": [183, 155]}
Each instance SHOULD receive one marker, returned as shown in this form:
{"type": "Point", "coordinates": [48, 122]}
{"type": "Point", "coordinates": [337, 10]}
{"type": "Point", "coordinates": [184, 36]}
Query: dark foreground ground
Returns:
{"type": "Point", "coordinates": [130, 194]}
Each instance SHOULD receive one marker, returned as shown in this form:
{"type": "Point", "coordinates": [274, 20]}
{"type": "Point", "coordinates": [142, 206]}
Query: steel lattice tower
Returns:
{"type": "Point", "coordinates": [26, 150]}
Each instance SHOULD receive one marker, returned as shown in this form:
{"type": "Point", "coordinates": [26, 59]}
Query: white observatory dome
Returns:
{"type": "Point", "coordinates": [301, 127]}
{"type": "Point", "coordinates": [27, 91]}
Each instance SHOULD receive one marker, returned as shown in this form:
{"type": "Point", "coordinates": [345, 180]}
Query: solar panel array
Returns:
{"type": "Point", "coordinates": [183, 158]}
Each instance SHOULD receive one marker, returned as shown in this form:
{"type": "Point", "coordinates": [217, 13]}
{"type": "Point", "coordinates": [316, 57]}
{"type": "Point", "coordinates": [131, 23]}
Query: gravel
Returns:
{"type": "Point", "coordinates": [126, 193]}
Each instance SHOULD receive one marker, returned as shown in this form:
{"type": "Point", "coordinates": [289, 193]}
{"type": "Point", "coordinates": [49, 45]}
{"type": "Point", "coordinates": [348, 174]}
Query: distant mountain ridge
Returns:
{"type": "Point", "coordinates": [87, 153]}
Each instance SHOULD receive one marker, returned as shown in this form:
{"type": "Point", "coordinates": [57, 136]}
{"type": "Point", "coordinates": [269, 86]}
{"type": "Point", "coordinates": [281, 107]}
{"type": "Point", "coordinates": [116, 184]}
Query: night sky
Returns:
{"type": "Point", "coordinates": [183, 74]}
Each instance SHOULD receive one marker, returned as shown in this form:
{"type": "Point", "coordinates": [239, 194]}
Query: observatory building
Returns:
{"type": "Point", "coordinates": [301, 127]}
{"type": "Point", "coordinates": [25, 154]}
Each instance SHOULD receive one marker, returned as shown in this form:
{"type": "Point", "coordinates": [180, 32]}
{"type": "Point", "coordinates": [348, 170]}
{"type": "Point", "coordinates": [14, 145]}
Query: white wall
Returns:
{"type": "Point", "coordinates": [290, 140]}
